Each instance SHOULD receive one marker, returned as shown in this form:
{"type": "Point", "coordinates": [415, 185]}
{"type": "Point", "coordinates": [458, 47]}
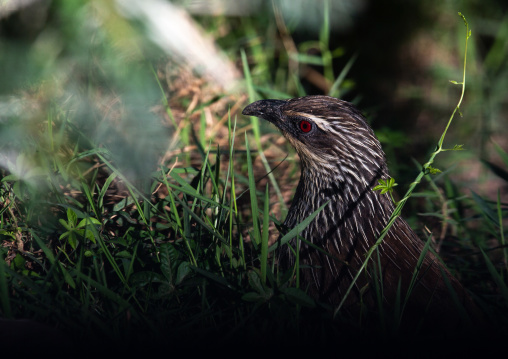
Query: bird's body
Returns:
{"type": "Point", "coordinates": [342, 161]}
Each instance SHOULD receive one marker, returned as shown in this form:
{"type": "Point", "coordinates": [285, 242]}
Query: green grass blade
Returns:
{"type": "Point", "coordinates": [252, 192]}
{"type": "Point", "coordinates": [115, 297]}
{"type": "Point", "coordinates": [178, 222]}
{"type": "Point", "coordinates": [503, 288]}
{"type": "Point", "coordinates": [255, 128]}
{"type": "Point", "coordinates": [264, 238]}
{"type": "Point", "coordinates": [501, 229]}
{"type": "Point", "coordinates": [102, 192]}
{"type": "Point", "coordinates": [297, 229]}
{"type": "Point", "coordinates": [109, 256]}
{"type": "Point", "coordinates": [233, 212]}
{"type": "Point", "coordinates": [186, 188]}
{"type": "Point", "coordinates": [164, 99]}
{"type": "Point", "coordinates": [334, 90]}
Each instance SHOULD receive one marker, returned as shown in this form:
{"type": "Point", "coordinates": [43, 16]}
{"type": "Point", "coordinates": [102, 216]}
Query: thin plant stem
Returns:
{"type": "Point", "coordinates": [423, 172]}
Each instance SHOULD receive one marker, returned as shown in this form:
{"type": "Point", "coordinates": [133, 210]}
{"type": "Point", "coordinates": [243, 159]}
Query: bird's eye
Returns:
{"type": "Point", "coordinates": [305, 126]}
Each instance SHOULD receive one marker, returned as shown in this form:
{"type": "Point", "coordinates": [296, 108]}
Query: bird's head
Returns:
{"type": "Point", "coordinates": [330, 135]}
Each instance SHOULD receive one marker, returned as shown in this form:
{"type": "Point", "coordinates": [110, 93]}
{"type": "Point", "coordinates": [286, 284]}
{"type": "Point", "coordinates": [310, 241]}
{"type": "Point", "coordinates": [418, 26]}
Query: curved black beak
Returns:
{"type": "Point", "coordinates": [266, 109]}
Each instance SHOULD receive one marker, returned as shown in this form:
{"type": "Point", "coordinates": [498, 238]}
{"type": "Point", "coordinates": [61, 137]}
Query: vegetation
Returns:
{"type": "Point", "coordinates": [112, 236]}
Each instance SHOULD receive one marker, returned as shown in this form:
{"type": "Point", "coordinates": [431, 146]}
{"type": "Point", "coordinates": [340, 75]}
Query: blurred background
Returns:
{"type": "Point", "coordinates": [111, 67]}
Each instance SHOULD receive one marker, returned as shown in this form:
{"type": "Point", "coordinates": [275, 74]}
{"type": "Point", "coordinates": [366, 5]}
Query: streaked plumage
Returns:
{"type": "Point", "coordinates": [342, 160]}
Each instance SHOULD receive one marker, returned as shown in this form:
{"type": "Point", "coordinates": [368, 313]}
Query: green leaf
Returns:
{"type": "Point", "coordinates": [166, 262]}
{"type": "Point", "coordinates": [65, 224]}
{"type": "Point", "coordinates": [72, 240]}
{"type": "Point", "coordinates": [8, 233]}
{"type": "Point", "coordinates": [385, 185]}
{"type": "Point", "coordinates": [18, 262]}
{"type": "Point", "coordinates": [433, 171]}
{"type": "Point", "coordinates": [255, 281]}
{"type": "Point", "coordinates": [90, 236]}
{"type": "Point", "coordinates": [455, 148]}
{"type": "Point", "coordinates": [88, 220]}
{"type": "Point", "coordinates": [11, 177]}
{"type": "Point", "coordinates": [68, 278]}
{"type": "Point", "coordinates": [182, 272]}
{"type": "Point", "coordinates": [72, 217]}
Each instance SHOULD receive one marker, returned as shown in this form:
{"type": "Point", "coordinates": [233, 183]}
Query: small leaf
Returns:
{"type": "Point", "coordinates": [67, 276]}
{"type": "Point", "coordinates": [433, 171]}
{"type": "Point", "coordinates": [88, 220]}
{"type": "Point", "coordinates": [18, 262]}
{"type": "Point", "coordinates": [72, 217]}
{"type": "Point", "coordinates": [90, 236]}
{"type": "Point", "coordinates": [255, 281]}
{"type": "Point", "coordinates": [385, 185]}
{"type": "Point", "coordinates": [11, 177]}
{"type": "Point", "coordinates": [65, 224]}
{"type": "Point", "coordinates": [72, 240]}
{"type": "Point", "coordinates": [166, 267]}
{"type": "Point", "coordinates": [183, 271]}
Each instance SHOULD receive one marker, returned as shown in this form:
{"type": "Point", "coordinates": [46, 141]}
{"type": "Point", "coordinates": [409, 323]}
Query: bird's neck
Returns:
{"type": "Point", "coordinates": [344, 191]}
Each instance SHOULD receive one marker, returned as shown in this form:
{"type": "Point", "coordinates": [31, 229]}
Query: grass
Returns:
{"type": "Point", "coordinates": [177, 251]}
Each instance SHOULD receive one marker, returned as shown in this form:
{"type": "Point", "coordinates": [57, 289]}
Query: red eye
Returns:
{"type": "Point", "coordinates": [305, 126]}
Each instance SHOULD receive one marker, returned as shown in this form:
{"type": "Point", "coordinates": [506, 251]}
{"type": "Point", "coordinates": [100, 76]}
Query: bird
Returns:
{"type": "Point", "coordinates": [341, 162]}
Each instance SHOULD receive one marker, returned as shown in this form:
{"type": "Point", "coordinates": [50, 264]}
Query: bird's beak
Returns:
{"type": "Point", "coordinates": [266, 109]}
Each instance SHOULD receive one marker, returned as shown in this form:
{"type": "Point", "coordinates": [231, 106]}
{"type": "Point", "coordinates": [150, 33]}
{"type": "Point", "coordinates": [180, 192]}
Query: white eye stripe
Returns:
{"type": "Point", "coordinates": [318, 121]}
{"type": "Point", "coordinates": [325, 125]}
